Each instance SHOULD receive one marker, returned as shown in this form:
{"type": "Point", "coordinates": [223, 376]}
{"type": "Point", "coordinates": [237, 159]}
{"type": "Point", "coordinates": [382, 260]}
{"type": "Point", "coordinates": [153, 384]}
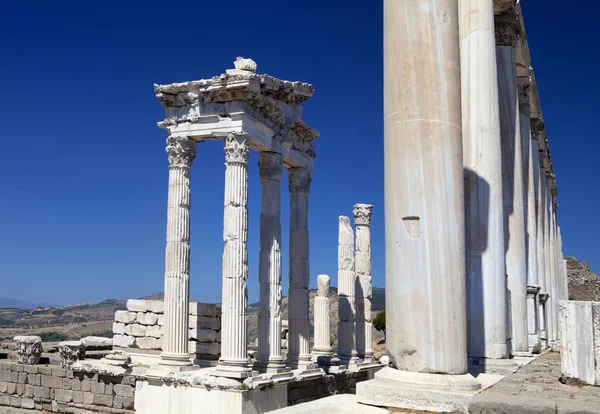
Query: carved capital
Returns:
{"type": "Point", "coordinates": [362, 214]}
{"type": "Point", "coordinates": [237, 148]}
{"type": "Point", "coordinates": [269, 165]}
{"type": "Point", "coordinates": [299, 181]}
{"type": "Point", "coordinates": [537, 128]}
{"type": "Point", "coordinates": [29, 349]}
{"type": "Point", "coordinates": [323, 283]}
{"type": "Point", "coordinates": [181, 151]}
{"type": "Point", "coordinates": [524, 89]}
{"type": "Point", "coordinates": [507, 33]}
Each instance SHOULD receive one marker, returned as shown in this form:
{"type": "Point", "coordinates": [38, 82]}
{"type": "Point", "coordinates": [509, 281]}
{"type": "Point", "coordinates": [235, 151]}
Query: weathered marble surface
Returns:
{"type": "Point", "coordinates": [346, 293]}
{"type": "Point", "coordinates": [364, 285]}
{"type": "Point", "coordinates": [482, 160]}
{"type": "Point", "coordinates": [29, 349]}
{"type": "Point", "coordinates": [424, 197]}
{"type": "Point", "coordinates": [322, 345]}
{"type": "Point", "coordinates": [71, 352]}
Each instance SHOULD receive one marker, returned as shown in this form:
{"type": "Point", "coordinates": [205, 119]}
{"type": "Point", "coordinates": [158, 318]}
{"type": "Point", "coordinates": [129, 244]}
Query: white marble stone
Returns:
{"type": "Point", "coordinates": [424, 197]}
{"type": "Point", "coordinates": [580, 340]}
{"type": "Point", "coordinates": [29, 349]}
{"type": "Point", "coordinates": [322, 324]}
{"type": "Point", "coordinates": [234, 330]}
{"type": "Point", "coordinates": [155, 306]}
{"type": "Point", "coordinates": [124, 316]}
{"type": "Point", "coordinates": [118, 328]}
{"type": "Point", "coordinates": [269, 358]}
{"type": "Point", "coordinates": [136, 305]}
{"type": "Point", "coordinates": [147, 318]}
{"type": "Point", "coordinates": [565, 280]}
{"type": "Point", "coordinates": [486, 293]}
{"type": "Point", "coordinates": [298, 356]}
{"type": "Point", "coordinates": [70, 352]}
{"type": "Point", "coordinates": [96, 342]}
{"type": "Point", "coordinates": [364, 285]}
{"type": "Point", "coordinates": [181, 154]}
{"type": "Point", "coordinates": [514, 195]}
{"type": "Point", "coordinates": [123, 341]}
{"type": "Point", "coordinates": [346, 349]}
{"type": "Point", "coordinates": [135, 329]}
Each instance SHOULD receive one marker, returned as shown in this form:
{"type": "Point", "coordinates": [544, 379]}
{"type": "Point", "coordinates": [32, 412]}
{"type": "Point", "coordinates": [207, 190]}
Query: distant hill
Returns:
{"type": "Point", "coordinates": [21, 304]}
{"type": "Point", "coordinates": [583, 283]}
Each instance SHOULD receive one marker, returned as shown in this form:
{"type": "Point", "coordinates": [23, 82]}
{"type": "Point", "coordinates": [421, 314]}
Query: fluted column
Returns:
{"type": "Point", "coordinates": [549, 259]}
{"type": "Point", "coordinates": [565, 280]}
{"type": "Point", "coordinates": [537, 135]}
{"type": "Point", "coordinates": [181, 152]}
{"type": "Point", "coordinates": [298, 309]}
{"type": "Point", "coordinates": [507, 35]}
{"type": "Point", "coordinates": [234, 341]}
{"type": "Point", "coordinates": [346, 293]}
{"type": "Point", "coordinates": [486, 281]}
{"type": "Point", "coordinates": [322, 344]}
{"type": "Point", "coordinates": [555, 288]}
{"type": "Point", "coordinates": [424, 197]}
{"type": "Point", "coordinates": [529, 147]}
{"type": "Point", "coordinates": [269, 356]}
{"type": "Point", "coordinates": [364, 287]}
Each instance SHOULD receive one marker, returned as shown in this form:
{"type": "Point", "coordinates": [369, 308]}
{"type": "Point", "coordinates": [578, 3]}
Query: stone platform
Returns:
{"type": "Point", "coordinates": [535, 388]}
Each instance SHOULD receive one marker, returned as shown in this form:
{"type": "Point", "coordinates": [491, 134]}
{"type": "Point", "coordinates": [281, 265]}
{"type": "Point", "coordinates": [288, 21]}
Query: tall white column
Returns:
{"type": "Point", "coordinates": [549, 259]}
{"type": "Point", "coordinates": [346, 293]}
{"type": "Point", "coordinates": [537, 135]}
{"type": "Point", "coordinates": [529, 147]}
{"type": "Point", "coordinates": [269, 358]}
{"type": "Point", "coordinates": [555, 267]}
{"type": "Point", "coordinates": [298, 311]}
{"type": "Point", "coordinates": [322, 345]}
{"type": "Point", "coordinates": [566, 280]}
{"type": "Point", "coordinates": [234, 330]}
{"type": "Point", "coordinates": [507, 35]}
{"type": "Point", "coordinates": [486, 280]}
{"type": "Point", "coordinates": [424, 198]}
{"type": "Point", "coordinates": [181, 152]}
{"type": "Point", "coordinates": [364, 286]}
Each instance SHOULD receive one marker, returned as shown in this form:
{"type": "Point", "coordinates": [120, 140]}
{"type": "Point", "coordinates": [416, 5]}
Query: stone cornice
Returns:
{"type": "Point", "coordinates": [362, 214]}
{"type": "Point", "coordinates": [299, 181]}
{"type": "Point", "coordinates": [270, 166]}
{"type": "Point", "coordinates": [237, 148]}
{"type": "Point", "coordinates": [181, 151]}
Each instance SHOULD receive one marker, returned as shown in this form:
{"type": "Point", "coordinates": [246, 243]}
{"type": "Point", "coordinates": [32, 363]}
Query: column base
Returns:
{"type": "Point", "coordinates": [418, 391]}
{"type": "Point", "coordinates": [233, 368]}
{"type": "Point", "coordinates": [175, 360]}
{"type": "Point", "coordinates": [270, 366]}
{"type": "Point", "coordinates": [302, 362]}
{"type": "Point", "coordinates": [498, 366]}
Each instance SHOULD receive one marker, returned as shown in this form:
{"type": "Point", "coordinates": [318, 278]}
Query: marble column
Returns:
{"type": "Point", "coordinates": [507, 36]}
{"type": "Point", "coordinates": [555, 288]}
{"type": "Point", "coordinates": [424, 197]}
{"type": "Point", "coordinates": [269, 358]}
{"type": "Point", "coordinates": [565, 280]}
{"type": "Point", "coordinates": [234, 341]}
{"type": "Point", "coordinates": [529, 187]}
{"type": "Point", "coordinates": [346, 293]}
{"type": "Point", "coordinates": [364, 287]}
{"type": "Point", "coordinates": [549, 261]}
{"type": "Point", "coordinates": [181, 152]}
{"type": "Point", "coordinates": [322, 345]}
{"type": "Point", "coordinates": [537, 128]}
{"type": "Point", "coordinates": [486, 281]}
{"type": "Point", "coordinates": [298, 356]}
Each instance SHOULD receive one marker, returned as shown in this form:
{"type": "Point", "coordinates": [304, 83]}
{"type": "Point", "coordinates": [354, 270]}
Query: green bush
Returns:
{"type": "Point", "coordinates": [379, 321]}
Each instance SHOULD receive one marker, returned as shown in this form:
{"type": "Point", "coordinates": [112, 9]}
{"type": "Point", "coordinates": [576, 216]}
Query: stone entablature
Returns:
{"type": "Point", "coordinates": [266, 108]}
{"type": "Point", "coordinates": [141, 326]}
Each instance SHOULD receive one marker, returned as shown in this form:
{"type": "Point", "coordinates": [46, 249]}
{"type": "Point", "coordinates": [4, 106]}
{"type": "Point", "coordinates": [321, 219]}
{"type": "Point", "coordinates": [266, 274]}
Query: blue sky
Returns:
{"type": "Point", "coordinates": [83, 167]}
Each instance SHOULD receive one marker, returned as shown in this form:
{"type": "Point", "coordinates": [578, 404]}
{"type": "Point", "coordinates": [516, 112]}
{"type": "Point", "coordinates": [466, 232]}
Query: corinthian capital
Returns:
{"type": "Point", "coordinates": [507, 29]}
{"type": "Point", "coordinates": [524, 89]}
{"type": "Point", "coordinates": [299, 181]}
{"type": "Point", "coordinates": [269, 165]}
{"type": "Point", "coordinates": [181, 151]}
{"type": "Point", "coordinates": [362, 214]}
{"type": "Point", "coordinates": [537, 129]}
{"type": "Point", "coordinates": [237, 148]}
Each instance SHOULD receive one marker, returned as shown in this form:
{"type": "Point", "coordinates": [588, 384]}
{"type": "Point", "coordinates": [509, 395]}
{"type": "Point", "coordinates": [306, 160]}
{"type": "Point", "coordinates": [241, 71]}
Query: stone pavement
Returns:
{"type": "Point", "coordinates": [535, 388]}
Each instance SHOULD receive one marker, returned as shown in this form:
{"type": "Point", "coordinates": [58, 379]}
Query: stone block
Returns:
{"type": "Point", "coordinates": [128, 403]}
{"type": "Point", "coordinates": [28, 391]}
{"type": "Point", "coordinates": [579, 331]}
{"type": "Point", "coordinates": [75, 384]}
{"type": "Point", "coordinates": [108, 390]}
{"type": "Point", "coordinates": [88, 398]}
{"type": "Point", "coordinates": [118, 328]}
{"type": "Point", "coordinates": [155, 306]}
{"type": "Point", "coordinates": [135, 329]}
{"type": "Point", "coordinates": [124, 341]}
{"type": "Point", "coordinates": [31, 369]}
{"type": "Point", "coordinates": [124, 317]}
{"type": "Point", "coordinates": [204, 322]}
{"type": "Point", "coordinates": [203, 335]}
{"type": "Point", "coordinates": [566, 406]}
{"type": "Point", "coordinates": [3, 387]}
{"type": "Point", "coordinates": [5, 376]}
{"type": "Point", "coordinates": [147, 318]}
{"type": "Point", "coordinates": [64, 396]}
{"type": "Point", "coordinates": [86, 385]}
{"type": "Point", "coordinates": [98, 387]}
{"type": "Point", "coordinates": [22, 377]}
{"type": "Point", "coordinates": [4, 399]}
{"type": "Point", "coordinates": [491, 402]}
{"type": "Point", "coordinates": [15, 401]}
{"type": "Point", "coordinates": [45, 370]}
{"type": "Point", "coordinates": [51, 381]}
{"type": "Point", "coordinates": [136, 305]}
{"type": "Point", "coordinates": [161, 320]}
{"type": "Point", "coordinates": [41, 392]}
{"type": "Point", "coordinates": [78, 397]}
{"type": "Point", "coordinates": [154, 331]}
{"type": "Point", "coordinates": [28, 403]}
{"type": "Point", "coordinates": [203, 309]}
{"type": "Point", "coordinates": [205, 348]}
{"type": "Point", "coordinates": [96, 342]}
{"type": "Point", "coordinates": [123, 390]}
{"type": "Point", "coordinates": [147, 343]}
{"type": "Point", "coordinates": [59, 372]}
{"type": "Point", "coordinates": [103, 399]}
